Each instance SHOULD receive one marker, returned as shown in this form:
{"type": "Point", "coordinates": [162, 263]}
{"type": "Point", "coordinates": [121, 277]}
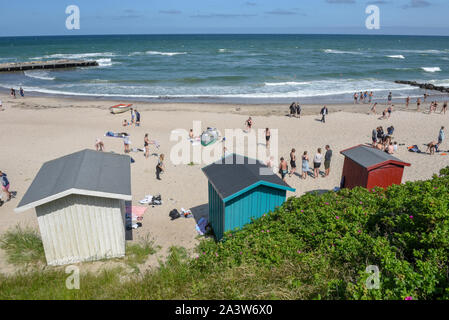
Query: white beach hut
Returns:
{"type": "Point", "coordinates": [80, 206]}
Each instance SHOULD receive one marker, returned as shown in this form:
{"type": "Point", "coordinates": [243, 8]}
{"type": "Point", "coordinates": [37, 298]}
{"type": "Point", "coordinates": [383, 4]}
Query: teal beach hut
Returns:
{"type": "Point", "coordinates": [241, 188]}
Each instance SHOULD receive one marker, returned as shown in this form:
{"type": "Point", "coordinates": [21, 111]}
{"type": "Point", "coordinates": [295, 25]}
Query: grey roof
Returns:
{"type": "Point", "coordinates": [234, 173]}
{"type": "Point", "coordinates": [367, 156]}
{"type": "Point", "coordinates": [88, 171]}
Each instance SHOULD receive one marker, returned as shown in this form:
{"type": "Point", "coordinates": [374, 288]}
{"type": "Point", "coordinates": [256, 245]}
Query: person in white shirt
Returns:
{"type": "Point", "coordinates": [317, 163]}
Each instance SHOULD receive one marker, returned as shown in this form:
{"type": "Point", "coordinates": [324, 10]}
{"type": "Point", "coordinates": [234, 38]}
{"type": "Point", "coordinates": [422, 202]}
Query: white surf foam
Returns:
{"type": "Point", "coordinates": [42, 75]}
{"type": "Point", "coordinates": [288, 83]}
{"type": "Point", "coordinates": [399, 56]}
{"type": "Point", "coordinates": [105, 62]}
{"type": "Point", "coordinates": [164, 53]}
{"type": "Point", "coordinates": [75, 55]}
{"type": "Point", "coordinates": [340, 52]}
{"type": "Point", "coordinates": [431, 69]}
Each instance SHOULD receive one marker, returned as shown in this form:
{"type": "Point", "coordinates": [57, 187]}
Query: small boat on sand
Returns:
{"type": "Point", "coordinates": [120, 108]}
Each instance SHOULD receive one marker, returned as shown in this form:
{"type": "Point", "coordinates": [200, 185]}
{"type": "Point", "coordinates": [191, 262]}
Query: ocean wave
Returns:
{"type": "Point", "coordinates": [288, 83]}
{"type": "Point", "coordinates": [105, 62]}
{"type": "Point", "coordinates": [42, 75]}
{"type": "Point", "coordinates": [341, 52]}
{"type": "Point", "coordinates": [164, 53]}
{"type": "Point", "coordinates": [223, 50]}
{"type": "Point", "coordinates": [75, 55]}
{"type": "Point", "coordinates": [431, 69]}
{"type": "Point", "coordinates": [399, 56]}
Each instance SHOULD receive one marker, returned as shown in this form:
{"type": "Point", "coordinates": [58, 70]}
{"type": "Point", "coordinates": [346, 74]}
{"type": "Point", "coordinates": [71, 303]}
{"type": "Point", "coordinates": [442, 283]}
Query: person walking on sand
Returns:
{"type": "Point", "coordinates": [418, 103]}
{"type": "Point", "coordinates": [5, 185]}
{"type": "Point", "coordinates": [389, 110]}
{"type": "Point", "coordinates": [160, 166]}
{"type": "Point", "coordinates": [305, 165]}
{"type": "Point", "coordinates": [324, 112]}
{"type": "Point", "coordinates": [146, 144]}
{"type": "Point", "coordinates": [373, 108]}
{"type": "Point", "coordinates": [292, 162]}
{"type": "Point", "coordinates": [327, 161]}
{"type": "Point", "coordinates": [267, 137]}
{"type": "Point", "coordinates": [132, 115]}
{"type": "Point", "coordinates": [443, 109]}
{"type": "Point", "coordinates": [317, 163]}
{"type": "Point", "coordinates": [283, 168]}
{"type": "Point", "coordinates": [137, 118]}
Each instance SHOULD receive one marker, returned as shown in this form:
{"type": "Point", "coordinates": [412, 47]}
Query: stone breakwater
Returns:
{"type": "Point", "coordinates": [427, 86]}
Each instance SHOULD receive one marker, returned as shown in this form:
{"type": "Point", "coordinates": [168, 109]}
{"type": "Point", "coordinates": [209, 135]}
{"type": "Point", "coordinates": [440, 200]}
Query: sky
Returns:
{"type": "Point", "coordinates": [48, 17]}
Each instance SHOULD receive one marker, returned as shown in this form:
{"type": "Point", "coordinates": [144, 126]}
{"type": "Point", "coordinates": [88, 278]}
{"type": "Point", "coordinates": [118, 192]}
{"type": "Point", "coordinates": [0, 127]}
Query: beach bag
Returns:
{"type": "Point", "coordinates": [414, 148]}
{"type": "Point", "coordinates": [174, 214]}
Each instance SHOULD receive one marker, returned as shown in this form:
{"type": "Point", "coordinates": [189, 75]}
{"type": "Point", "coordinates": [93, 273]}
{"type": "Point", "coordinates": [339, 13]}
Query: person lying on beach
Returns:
{"type": "Point", "coordinates": [431, 147]}
{"type": "Point", "coordinates": [99, 145]}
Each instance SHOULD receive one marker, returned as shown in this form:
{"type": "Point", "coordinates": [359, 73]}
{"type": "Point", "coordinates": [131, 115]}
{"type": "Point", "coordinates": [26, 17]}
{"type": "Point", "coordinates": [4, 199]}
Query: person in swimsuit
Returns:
{"type": "Point", "coordinates": [355, 98]}
{"type": "Point", "coordinates": [13, 93]}
{"type": "Point", "coordinates": [22, 94]}
{"type": "Point", "coordinates": [317, 163]}
{"type": "Point", "coordinates": [99, 145]}
{"type": "Point", "coordinates": [298, 110]}
{"type": "Point", "coordinates": [126, 142]}
{"type": "Point", "coordinates": [292, 162]}
{"type": "Point", "coordinates": [390, 98]}
{"type": "Point", "coordinates": [373, 108]}
{"type": "Point", "coordinates": [371, 96]}
{"type": "Point", "coordinates": [283, 168]}
{"type": "Point", "coordinates": [305, 165]}
{"type": "Point", "coordinates": [267, 137]}
{"type": "Point", "coordinates": [146, 144]}
{"type": "Point", "coordinates": [132, 115]}
{"type": "Point", "coordinates": [389, 110]}
{"type": "Point", "coordinates": [407, 102]}
{"type": "Point", "coordinates": [249, 124]}
{"type": "Point", "coordinates": [418, 103]}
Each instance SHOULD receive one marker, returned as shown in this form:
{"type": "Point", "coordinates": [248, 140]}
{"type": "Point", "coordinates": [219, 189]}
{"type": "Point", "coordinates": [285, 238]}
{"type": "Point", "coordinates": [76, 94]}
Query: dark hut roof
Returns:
{"type": "Point", "coordinates": [87, 172]}
{"type": "Point", "coordinates": [236, 174]}
{"type": "Point", "coordinates": [371, 158]}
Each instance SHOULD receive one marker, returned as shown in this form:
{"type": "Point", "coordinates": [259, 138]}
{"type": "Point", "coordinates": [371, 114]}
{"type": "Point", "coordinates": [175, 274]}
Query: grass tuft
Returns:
{"type": "Point", "coordinates": [22, 246]}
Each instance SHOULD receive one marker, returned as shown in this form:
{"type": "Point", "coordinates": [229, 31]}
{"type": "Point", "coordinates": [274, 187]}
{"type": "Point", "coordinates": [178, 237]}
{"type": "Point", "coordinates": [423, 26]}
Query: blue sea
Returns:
{"type": "Point", "coordinates": [229, 68]}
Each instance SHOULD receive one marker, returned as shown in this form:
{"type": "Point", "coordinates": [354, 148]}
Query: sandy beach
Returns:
{"type": "Point", "coordinates": [37, 129]}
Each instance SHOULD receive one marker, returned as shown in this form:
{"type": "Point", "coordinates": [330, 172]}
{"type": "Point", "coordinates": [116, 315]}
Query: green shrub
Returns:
{"type": "Point", "coordinates": [22, 246]}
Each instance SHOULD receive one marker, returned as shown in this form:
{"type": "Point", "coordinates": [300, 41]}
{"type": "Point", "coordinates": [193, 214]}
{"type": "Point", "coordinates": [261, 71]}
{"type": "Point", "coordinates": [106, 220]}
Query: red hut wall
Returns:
{"type": "Point", "coordinates": [385, 176]}
{"type": "Point", "coordinates": [355, 175]}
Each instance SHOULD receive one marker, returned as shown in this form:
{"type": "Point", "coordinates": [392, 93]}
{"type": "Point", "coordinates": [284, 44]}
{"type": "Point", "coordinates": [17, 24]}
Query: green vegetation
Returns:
{"type": "Point", "coordinates": [137, 253]}
{"type": "Point", "coordinates": [313, 247]}
{"type": "Point", "coordinates": [22, 246]}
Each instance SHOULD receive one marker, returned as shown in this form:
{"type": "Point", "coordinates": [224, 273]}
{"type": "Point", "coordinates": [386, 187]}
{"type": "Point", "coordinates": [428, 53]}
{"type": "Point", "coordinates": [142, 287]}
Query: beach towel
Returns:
{"type": "Point", "coordinates": [414, 148]}
{"type": "Point", "coordinates": [201, 226]}
{"type": "Point", "coordinates": [136, 211]}
{"type": "Point", "coordinates": [147, 199]}
{"type": "Point", "coordinates": [114, 134]}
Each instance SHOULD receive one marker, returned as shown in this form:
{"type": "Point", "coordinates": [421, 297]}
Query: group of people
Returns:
{"type": "Point", "coordinates": [383, 141]}
{"type": "Point", "coordinates": [363, 97]}
{"type": "Point", "coordinates": [305, 166]}
{"type": "Point", "coordinates": [13, 92]}
{"type": "Point", "coordinates": [135, 118]}
{"type": "Point", "coordinates": [432, 107]}
{"type": "Point", "coordinates": [295, 110]}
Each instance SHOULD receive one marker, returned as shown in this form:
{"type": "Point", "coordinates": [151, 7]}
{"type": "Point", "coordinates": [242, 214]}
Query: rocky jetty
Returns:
{"type": "Point", "coordinates": [427, 86]}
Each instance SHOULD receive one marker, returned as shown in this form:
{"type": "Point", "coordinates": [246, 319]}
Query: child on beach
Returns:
{"type": "Point", "coordinates": [283, 168]}
{"type": "Point", "coordinates": [355, 98]}
{"type": "Point", "coordinates": [99, 145]}
{"type": "Point", "coordinates": [298, 110]}
{"type": "Point", "coordinates": [431, 147]}
{"type": "Point", "coordinates": [370, 97]}
{"type": "Point", "coordinates": [5, 185]}
{"type": "Point", "coordinates": [305, 165]}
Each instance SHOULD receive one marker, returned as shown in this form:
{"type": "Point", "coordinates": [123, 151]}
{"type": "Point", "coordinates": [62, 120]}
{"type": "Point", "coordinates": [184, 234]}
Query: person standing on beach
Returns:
{"type": "Point", "coordinates": [317, 163]}
{"type": "Point", "coordinates": [374, 137]}
{"type": "Point", "coordinates": [249, 124]}
{"type": "Point", "coordinates": [137, 118]}
{"type": "Point", "coordinates": [305, 165]}
{"type": "Point", "coordinates": [1, 106]}
{"type": "Point", "coordinates": [126, 142]}
{"type": "Point", "coordinates": [418, 103]}
{"type": "Point", "coordinates": [283, 168]}
{"type": "Point", "coordinates": [356, 98]}
{"type": "Point", "coordinates": [389, 110]}
{"type": "Point", "coordinates": [373, 108]}
{"type": "Point", "coordinates": [365, 96]}
{"type": "Point", "coordinates": [13, 93]}
{"type": "Point", "coordinates": [324, 112]}
{"type": "Point", "coordinates": [146, 144]}
{"type": "Point", "coordinates": [267, 137]}
{"type": "Point", "coordinates": [298, 110]}
{"type": "Point", "coordinates": [390, 98]}
{"type": "Point", "coordinates": [160, 166]}
{"type": "Point", "coordinates": [407, 101]}
{"type": "Point", "coordinates": [371, 97]}
{"type": "Point", "coordinates": [5, 185]}
{"type": "Point", "coordinates": [443, 109]}
{"type": "Point", "coordinates": [292, 162]}
{"type": "Point", "coordinates": [132, 116]}
{"type": "Point", "coordinates": [22, 94]}
{"type": "Point", "coordinates": [327, 161]}
{"type": "Point", "coordinates": [99, 145]}
{"type": "Point", "coordinates": [440, 137]}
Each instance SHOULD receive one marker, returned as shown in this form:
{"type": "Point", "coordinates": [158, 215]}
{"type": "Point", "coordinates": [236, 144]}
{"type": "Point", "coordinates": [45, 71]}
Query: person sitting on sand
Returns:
{"type": "Point", "coordinates": [5, 185]}
{"type": "Point", "coordinates": [99, 145]}
{"type": "Point", "coordinates": [390, 130]}
{"type": "Point", "coordinates": [125, 122]}
{"type": "Point", "coordinates": [389, 149]}
{"type": "Point", "coordinates": [431, 147]}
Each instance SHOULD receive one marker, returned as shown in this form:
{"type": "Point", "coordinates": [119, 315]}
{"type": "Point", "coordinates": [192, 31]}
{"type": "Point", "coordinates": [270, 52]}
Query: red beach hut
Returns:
{"type": "Point", "coordinates": [369, 167]}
